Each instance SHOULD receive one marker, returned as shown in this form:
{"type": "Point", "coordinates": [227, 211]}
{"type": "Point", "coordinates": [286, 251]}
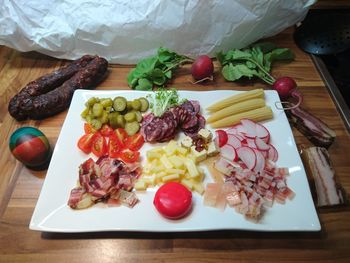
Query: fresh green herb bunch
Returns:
{"type": "Point", "coordinates": [254, 61]}
{"type": "Point", "coordinates": [163, 99]}
{"type": "Point", "coordinates": [155, 70]}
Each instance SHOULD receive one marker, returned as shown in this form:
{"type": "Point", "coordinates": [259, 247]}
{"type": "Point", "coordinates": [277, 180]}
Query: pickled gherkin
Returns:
{"type": "Point", "coordinates": [144, 104]}
{"type": "Point", "coordinates": [132, 127]}
{"type": "Point", "coordinates": [119, 103]}
{"type": "Point", "coordinates": [136, 104]}
{"type": "Point", "coordinates": [117, 112]}
{"type": "Point", "coordinates": [130, 116]}
{"type": "Point", "coordinates": [97, 110]}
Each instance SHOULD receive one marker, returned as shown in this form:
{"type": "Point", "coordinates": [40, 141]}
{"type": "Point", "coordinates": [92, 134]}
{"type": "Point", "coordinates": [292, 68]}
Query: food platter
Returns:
{"type": "Point", "coordinates": [52, 214]}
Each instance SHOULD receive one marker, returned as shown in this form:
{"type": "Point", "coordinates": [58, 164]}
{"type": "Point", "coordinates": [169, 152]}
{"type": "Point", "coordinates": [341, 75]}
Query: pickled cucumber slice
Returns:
{"type": "Point", "coordinates": [107, 102]}
{"type": "Point", "coordinates": [132, 127]}
{"type": "Point", "coordinates": [113, 119]}
{"type": "Point", "coordinates": [119, 103]}
{"type": "Point", "coordinates": [121, 121]}
{"type": "Point", "coordinates": [97, 110]}
{"type": "Point", "coordinates": [130, 116]}
{"type": "Point", "coordinates": [136, 104]}
{"type": "Point", "coordinates": [144, 104]}
{"type": "Point", "coordinates": [138, 116]}
{"type": "Point", "coordinates": [96, 124]}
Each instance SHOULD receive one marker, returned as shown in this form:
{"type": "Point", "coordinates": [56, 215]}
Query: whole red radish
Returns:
{"type": "Point", "coordinates": [286, 88]}
{"type": "Point", "coordinates": [202, 68]}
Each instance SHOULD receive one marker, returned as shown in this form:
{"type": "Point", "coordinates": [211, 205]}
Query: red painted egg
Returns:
{"type": "Point", "coordinates": [31, 147]}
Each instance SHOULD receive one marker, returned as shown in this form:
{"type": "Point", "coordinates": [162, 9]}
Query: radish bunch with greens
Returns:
{"type": "Point", "coordinates": [256, 61]}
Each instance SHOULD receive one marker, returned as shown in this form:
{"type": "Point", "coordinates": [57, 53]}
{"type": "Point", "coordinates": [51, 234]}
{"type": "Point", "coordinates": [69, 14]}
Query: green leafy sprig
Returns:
{"type": "Point", "coordinates": [254, 61]}
{"type": "Point", "coordinates": [156, 70]}
{"type": "Point", "coordinates": [163, 99]}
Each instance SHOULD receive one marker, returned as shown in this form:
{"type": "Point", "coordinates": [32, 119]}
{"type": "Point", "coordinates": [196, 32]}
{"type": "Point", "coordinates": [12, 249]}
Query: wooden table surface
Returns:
{"type": "Point", "coordinates": [20, 187]}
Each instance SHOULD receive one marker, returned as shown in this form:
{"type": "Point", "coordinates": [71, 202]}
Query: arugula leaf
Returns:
{"type": "Point", "coordinates": [155, 69]}
{"type": "Point", "coordinates": [253, 61]}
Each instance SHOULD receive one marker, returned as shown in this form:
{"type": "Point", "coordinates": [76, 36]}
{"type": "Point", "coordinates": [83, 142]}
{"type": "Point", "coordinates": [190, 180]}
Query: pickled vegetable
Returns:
{"type": "Point", "coordinates": [132, 127]}
{"type": "Point", "coordinates": [119, 104]}
{"type": "Point", "coordinates": [144, 104]}
{"type": "Point", "coordinates": [136, 104]}
{"type": "Point", "coordinates": [120, 121]}
{"type": "Point", "coordinates": [116, 112]}
{"type": "Point", "coordinates": [130, 116]}
{"type": "Point", "coordinates": [97, 110]}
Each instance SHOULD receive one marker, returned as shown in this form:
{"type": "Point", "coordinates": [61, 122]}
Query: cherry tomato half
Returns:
{"type": "Point", "coordinates": [106, 130]}
{"type": "Point", "coordinates": [99, 145]}
{"type": "Point", "coordinates": [88, 128]}
{"type": "Point", "coordinates": [135, 142]}
{"type": "Point", "coordinates": [173, 200]}
{"type": "Point", "coordinates": [114, 146]}
{"type": "Point", "coordinates": [129, 156]}
{"type": "Point", "coordinates": [85, 142]}
{"type": "Point", "coordinates": [121, 135]}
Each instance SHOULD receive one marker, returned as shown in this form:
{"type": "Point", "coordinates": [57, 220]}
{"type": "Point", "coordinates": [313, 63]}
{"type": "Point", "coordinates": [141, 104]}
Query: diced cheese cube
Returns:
{"type": "Point", "coordinates": [186, 142]}
{"type": "Point", "coordinates": [176, 171]}
{"type": "Point", "coordinates": [171, 178]}
{"type": "Point", "coordinates": [140, 185]}
{"type": "Point", "coordinates": [165, 161]}
{"type": "Point", "coordinates": [170, 148]}
{"type": "Point", "coordinates": [152, 155]}
{"type": "Point", "coordinates": [187, 183]}
{"type": "Point", "coordinates": [212, 149]}
{"type": "Point", "coordinates": [157, 167]}
{"type": "Point", "coordinates": [181, 150]}
{"type": "Point", "coordinates": [206, 135]}
{"type": "Point", "coordinates": [159, 176]}
{"type": "Point", "coordinates": [176, 161]}
{"type": "Point", "coordinates": [198, 187]}
{"type": "Point", "coordinates": [191, 168]}
{"type": "Point", "coordinates": [150, 180]}
{"type": "Point", "coordinates": [199, 156]}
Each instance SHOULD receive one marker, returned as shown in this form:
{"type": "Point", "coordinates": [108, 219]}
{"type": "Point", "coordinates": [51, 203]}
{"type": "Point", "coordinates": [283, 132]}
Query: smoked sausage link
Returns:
{"type": "Point", "coordinates": [52, 93]}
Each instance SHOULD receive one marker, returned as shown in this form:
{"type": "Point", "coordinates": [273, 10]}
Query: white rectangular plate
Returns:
{"type": "Point", "coordinates": [52, 213]}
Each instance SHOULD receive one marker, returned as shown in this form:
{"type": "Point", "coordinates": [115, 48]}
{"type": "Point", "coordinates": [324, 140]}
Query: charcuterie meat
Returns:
{"type": "Point", "coordinates": [185, 117]}
{"type": "Point", "coordinates": [52, 93]}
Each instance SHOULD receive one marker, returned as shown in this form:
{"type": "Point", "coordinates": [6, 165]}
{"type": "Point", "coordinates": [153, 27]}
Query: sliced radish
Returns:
{"type": "Point", "coordinates": [261, 131]}
{"type": "Point", "coordinates": [251, 142]}
{"type": "Point", "coordinates": [233, 141]}
{"type": "Point", "coordinates": [260, 161]}
{"type": "Point", "coordinates": [248, 156]}
{"type": "Point", "coordinates": [272, 153]}
{"type": "Point", "coordinates": [221, 137]}
{"type": "Point", "coordinates": [249, 127]}
{"type": "Point", "coordinates": [261, 145]}
{"type": "Point", "coordinates": [229, 153]}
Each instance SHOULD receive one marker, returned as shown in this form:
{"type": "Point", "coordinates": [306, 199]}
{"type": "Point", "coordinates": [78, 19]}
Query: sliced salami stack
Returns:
{"type": "Point", "coordinates": [185, 117]}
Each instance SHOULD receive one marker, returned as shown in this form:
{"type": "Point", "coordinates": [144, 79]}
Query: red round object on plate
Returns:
{"type": "Point", "coordinates": [173, 200]}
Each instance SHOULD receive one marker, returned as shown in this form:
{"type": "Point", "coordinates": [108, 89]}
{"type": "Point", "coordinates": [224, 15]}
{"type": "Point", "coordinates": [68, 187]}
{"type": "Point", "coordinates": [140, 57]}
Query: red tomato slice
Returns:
{"type": "Point", "coordinates": [129, 156]}
{"type": "Point", "coordinates": [173, 200]}
{"type": "Point", "coordinates": [88, 128]}
{"type": "Point", "coordinates": [222, 137]}
{"type": "Point", "coordinates": [85, 142]}
{"type": "Point", "coordinates": [121, 135]}
{"type": "Point", "coordinates": [114, 146]}
{"type": "Point", "coordinates": [135, 142]}
{"type": "Point", "coordinates": [106, 130]}
{"type": "Point", "coordinates": [99, 145]}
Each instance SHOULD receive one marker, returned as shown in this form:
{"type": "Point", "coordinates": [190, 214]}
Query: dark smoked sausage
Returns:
{"type": "Point", "coordinates": [52, 93]}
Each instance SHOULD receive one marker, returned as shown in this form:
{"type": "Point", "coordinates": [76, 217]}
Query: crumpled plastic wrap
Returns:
{"type": "Point", "coordinates": [125, 31]}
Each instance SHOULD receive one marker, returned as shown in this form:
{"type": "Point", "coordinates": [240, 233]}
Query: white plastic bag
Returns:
{"type": "Point", "coordinates": [124, 31]}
